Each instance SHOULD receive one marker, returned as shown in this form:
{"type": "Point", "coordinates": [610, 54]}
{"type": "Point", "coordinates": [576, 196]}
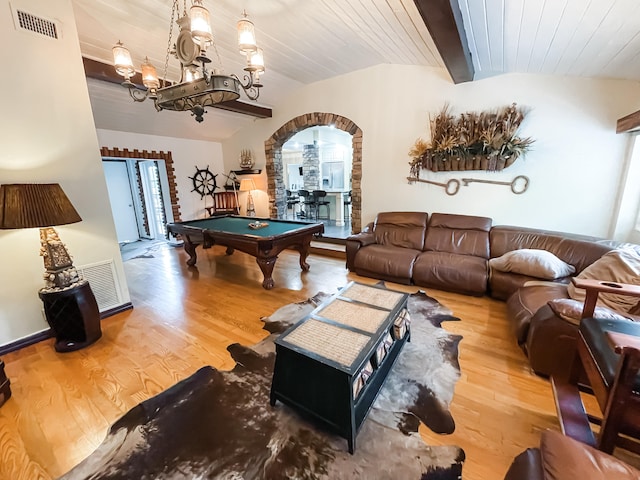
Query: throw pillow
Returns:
{"type": "Point", "coordinates": [619, 266]}
{"type": "Point", "coordinates": [571, 310]}
{"type": "Point", "coordinates": [534, 263]}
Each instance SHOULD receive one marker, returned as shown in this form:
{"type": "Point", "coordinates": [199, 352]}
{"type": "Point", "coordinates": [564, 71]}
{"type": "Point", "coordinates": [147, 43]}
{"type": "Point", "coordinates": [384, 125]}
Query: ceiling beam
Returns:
{"type": "Point", "coordinates": [444, 22]}
{"type": "Point", "coordinates": [105, 72]}
{"type": "Point", "coordinates": [630, 123]}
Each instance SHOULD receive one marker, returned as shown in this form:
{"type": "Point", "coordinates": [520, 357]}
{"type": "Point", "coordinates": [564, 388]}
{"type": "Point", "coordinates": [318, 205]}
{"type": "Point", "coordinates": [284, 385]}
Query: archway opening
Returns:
{"type": "Point", "coordinates": [275, 167]}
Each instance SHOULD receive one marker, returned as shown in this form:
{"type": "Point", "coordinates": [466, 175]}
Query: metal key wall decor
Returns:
{"type": "Point", "coordinates": [518, 185]}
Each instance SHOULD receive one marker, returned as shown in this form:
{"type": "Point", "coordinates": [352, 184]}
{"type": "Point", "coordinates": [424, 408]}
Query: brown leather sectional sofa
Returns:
{"type": "Point", "coordinates": [452, 252]}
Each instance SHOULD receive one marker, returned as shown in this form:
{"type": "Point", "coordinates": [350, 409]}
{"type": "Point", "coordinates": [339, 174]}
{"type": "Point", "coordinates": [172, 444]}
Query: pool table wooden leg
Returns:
{"type": "Point", "coordinates": [304, 253]}
{"type": "Point", "coordinates": [266, 265]}
{"type": "Point", "coordinates": [190, 248]}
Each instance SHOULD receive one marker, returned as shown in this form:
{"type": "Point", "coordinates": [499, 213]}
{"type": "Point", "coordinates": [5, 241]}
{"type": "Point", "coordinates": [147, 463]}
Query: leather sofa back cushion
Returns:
{"type": "Point", "coordinates": [564, 457]}
{"type": "Point", "coordinates": [459, 234]}
{"type": "Point", "coordinates": [401, 229]}
{"type": "Point", "coordinates": [577, 250]}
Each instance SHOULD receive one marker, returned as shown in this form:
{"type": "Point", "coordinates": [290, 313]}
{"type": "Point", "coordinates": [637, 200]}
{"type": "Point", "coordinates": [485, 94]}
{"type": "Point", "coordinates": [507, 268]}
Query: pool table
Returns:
{"type": "Point", "coordinates": [234, 232]}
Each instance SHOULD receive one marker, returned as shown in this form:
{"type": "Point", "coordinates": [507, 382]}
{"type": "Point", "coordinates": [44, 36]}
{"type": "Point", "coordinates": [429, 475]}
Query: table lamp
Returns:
{"type": "Point", "coordinates": [247, 185]}
{"type": "Point", "coordinates": [30, 205]}
{"type": "Point", "coordinates": [69, 303]}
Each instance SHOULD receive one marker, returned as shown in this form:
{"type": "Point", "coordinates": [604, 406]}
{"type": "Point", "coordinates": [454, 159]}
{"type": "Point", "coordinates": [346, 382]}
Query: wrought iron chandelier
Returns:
{"type": "Point", "coordinates": [198, 87]}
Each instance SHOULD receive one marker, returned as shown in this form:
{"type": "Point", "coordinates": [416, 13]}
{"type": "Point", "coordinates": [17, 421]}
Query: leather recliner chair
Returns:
{"type": "Point", "coordinates": [562, 458]}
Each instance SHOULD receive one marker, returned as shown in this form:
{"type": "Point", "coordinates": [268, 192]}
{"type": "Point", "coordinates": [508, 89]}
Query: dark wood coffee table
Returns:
{"type": "Point", "coordinates": [333, 362]}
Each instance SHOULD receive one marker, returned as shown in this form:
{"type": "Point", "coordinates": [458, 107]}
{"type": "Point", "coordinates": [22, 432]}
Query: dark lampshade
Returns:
{"type": "Point", "coordinates": [30, 205]}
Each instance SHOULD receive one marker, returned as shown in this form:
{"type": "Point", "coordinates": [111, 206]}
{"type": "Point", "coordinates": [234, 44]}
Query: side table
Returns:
{"type": "Point", "coordinates": [73, 316]}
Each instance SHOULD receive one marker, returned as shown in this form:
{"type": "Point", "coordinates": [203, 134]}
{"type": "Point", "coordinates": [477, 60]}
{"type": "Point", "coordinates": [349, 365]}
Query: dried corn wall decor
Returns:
{"type": "Point", "coordinates": [471, 141]}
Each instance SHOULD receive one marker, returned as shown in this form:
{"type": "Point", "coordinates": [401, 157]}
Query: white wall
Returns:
{"type": "Point", "coordinates": [47, 135]}
{"type": "Point", "coordinates": [186, 155]}
{"type": "Point", "coordinates": [575, 167]}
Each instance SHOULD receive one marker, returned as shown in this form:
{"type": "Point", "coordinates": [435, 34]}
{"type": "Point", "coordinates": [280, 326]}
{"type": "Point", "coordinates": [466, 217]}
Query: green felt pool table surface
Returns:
{"type": "Point", "coordinates": [234, 232]}
{"type": "Point", "coordinates": [240, 225]}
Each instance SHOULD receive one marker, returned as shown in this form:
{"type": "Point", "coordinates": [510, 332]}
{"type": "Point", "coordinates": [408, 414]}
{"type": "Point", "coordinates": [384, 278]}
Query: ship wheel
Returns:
{"type": "Point", "coordinates": [204, 182]}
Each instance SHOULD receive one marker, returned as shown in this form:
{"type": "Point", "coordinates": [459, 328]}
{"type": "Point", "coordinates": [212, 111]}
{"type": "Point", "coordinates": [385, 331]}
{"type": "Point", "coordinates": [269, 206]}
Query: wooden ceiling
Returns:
{"type": "Point", "coordinates": [310, 40]}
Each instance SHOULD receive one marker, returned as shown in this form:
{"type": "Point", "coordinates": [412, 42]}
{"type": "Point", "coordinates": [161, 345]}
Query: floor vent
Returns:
{"type": "Point", "coordinates": [32, 23]}
{"type": "Point", "coordinates": [104, 283]}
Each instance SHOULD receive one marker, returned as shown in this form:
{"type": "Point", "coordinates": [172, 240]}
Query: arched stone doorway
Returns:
{"type": "Point", "coordinates": [273, 152]}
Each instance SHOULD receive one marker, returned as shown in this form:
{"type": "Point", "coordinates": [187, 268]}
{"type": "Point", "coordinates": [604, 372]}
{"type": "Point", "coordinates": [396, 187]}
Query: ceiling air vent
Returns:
{"type": "Point", "coordinates": [42, 26]}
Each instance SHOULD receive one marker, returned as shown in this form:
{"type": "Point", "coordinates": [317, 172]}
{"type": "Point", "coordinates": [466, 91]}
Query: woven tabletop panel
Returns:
{"type": "Point", "coordinates": [331, 342]}
{"type": "Point", "coordinates": [362, 317]}
{"type": "Point", "coordinates": [373, 296]}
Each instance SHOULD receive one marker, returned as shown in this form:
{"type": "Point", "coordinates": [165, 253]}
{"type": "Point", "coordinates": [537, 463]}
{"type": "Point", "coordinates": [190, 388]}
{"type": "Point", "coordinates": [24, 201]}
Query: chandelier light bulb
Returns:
{"type": "Point", "coordinates": [149, 75]}
{"type": "Point", "coordinates": [256, 61]}
{"type": "Point", "coordinates": [122, 60]}
{"type": "Point", "coordinates": [191, 73]}
{"type": "Point", "coordinates": [200, 24]}
{"type": "Point", "coordinates": [246, 35]}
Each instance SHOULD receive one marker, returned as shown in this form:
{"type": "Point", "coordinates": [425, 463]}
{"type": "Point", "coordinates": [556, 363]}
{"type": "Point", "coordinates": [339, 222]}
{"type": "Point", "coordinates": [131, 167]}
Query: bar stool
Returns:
{"type": "Point", "coordinates": [292, 202]}
{"type": "Point", "coordinates": [347, 205]}
{"type": "Point", "coordinates": [308, 202]}
{"type": "Point", "coordinates": [320, 198]}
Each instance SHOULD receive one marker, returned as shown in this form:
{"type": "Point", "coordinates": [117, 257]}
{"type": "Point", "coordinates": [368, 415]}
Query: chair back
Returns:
{"type": "Point", "coordinates": [224, 203]}
{"type": "Point", "coordinates": [319, 195]}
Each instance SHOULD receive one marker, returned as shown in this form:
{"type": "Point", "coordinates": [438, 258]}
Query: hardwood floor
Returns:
{"type": "Point", "coordinates": [184, 318]}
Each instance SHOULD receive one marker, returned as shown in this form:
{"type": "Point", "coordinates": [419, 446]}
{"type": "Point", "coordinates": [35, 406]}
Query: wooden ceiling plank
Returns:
{"type": "Point", "coordinates": [102, 71]}
{"type": "Point", "coordinates": [579, 45]}
{"type": "Point", "coordinates": [550, 19]}
{"type": "Point", "coordinates": [444, 21]}
{"type": "Point", "coordinates": [356, 16]}
{"type": "Point", "coordinates": [476, 29]}
{"type": "Point", "coordinates": [396, 12]}
{"type": "Point", "coordinates": [620, 39]}
{"type": "Point", "coordinates": [413, 23]}
{"type": "Point", "coordinates": [397, 33]}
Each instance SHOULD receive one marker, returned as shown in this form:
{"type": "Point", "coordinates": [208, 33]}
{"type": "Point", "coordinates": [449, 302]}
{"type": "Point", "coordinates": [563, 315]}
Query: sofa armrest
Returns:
{"type": "Point", "coordinates": [526, 466]}
{"type": "Point", "coordinates": [355, 243]}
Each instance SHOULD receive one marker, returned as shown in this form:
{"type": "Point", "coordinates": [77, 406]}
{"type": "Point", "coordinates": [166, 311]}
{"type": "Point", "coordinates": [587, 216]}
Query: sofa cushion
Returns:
{"type": "Point", "coordinates": [532, 262]}
{"type": "Point", "coordinates": [564, 458]}
{"type": "Point", "coordinates": [621, 266]}
{"type": "Point", "coordinates": [401, 229]}
{"type": "Point", "coordinates": [460, 234]}
{"type": "Point", "coordinates": [455, 273]}
{"type": "Point", "coordinates": [386, 262]}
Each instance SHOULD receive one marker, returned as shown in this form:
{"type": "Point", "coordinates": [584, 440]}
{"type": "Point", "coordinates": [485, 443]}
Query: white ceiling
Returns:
{"type": "Point", "coordinates": [589, 38]}
{"type": "Point", "coordinates": [309, 40]}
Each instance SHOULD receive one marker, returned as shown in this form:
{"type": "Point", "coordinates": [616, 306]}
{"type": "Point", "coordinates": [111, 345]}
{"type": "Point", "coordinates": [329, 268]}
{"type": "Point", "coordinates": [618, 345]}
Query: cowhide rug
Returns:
{"type": "Point", "coordinates": [219, 424]}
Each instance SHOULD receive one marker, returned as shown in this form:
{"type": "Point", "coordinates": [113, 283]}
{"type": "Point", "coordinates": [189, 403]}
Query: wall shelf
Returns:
{"type": "Point", "coordinates": [247, 172]}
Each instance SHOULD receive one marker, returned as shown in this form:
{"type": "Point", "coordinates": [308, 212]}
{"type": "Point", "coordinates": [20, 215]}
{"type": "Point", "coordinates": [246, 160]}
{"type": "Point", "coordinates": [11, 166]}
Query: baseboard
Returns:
{"type": "Point", "coordinates": [328, 250]}
{"type": "Point", "coordinates": [45, 334]}
{"type": "Point", "coordinates": [26, 341]}
{"type": "Point", "coordinates": [115, 310]}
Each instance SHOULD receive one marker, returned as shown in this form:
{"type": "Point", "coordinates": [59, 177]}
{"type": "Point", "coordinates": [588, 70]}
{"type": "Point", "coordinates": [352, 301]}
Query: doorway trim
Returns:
{"type": "Point", "coordinates": [151, 155]}
{"type": "Point", "coordinates": [274, 167]}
